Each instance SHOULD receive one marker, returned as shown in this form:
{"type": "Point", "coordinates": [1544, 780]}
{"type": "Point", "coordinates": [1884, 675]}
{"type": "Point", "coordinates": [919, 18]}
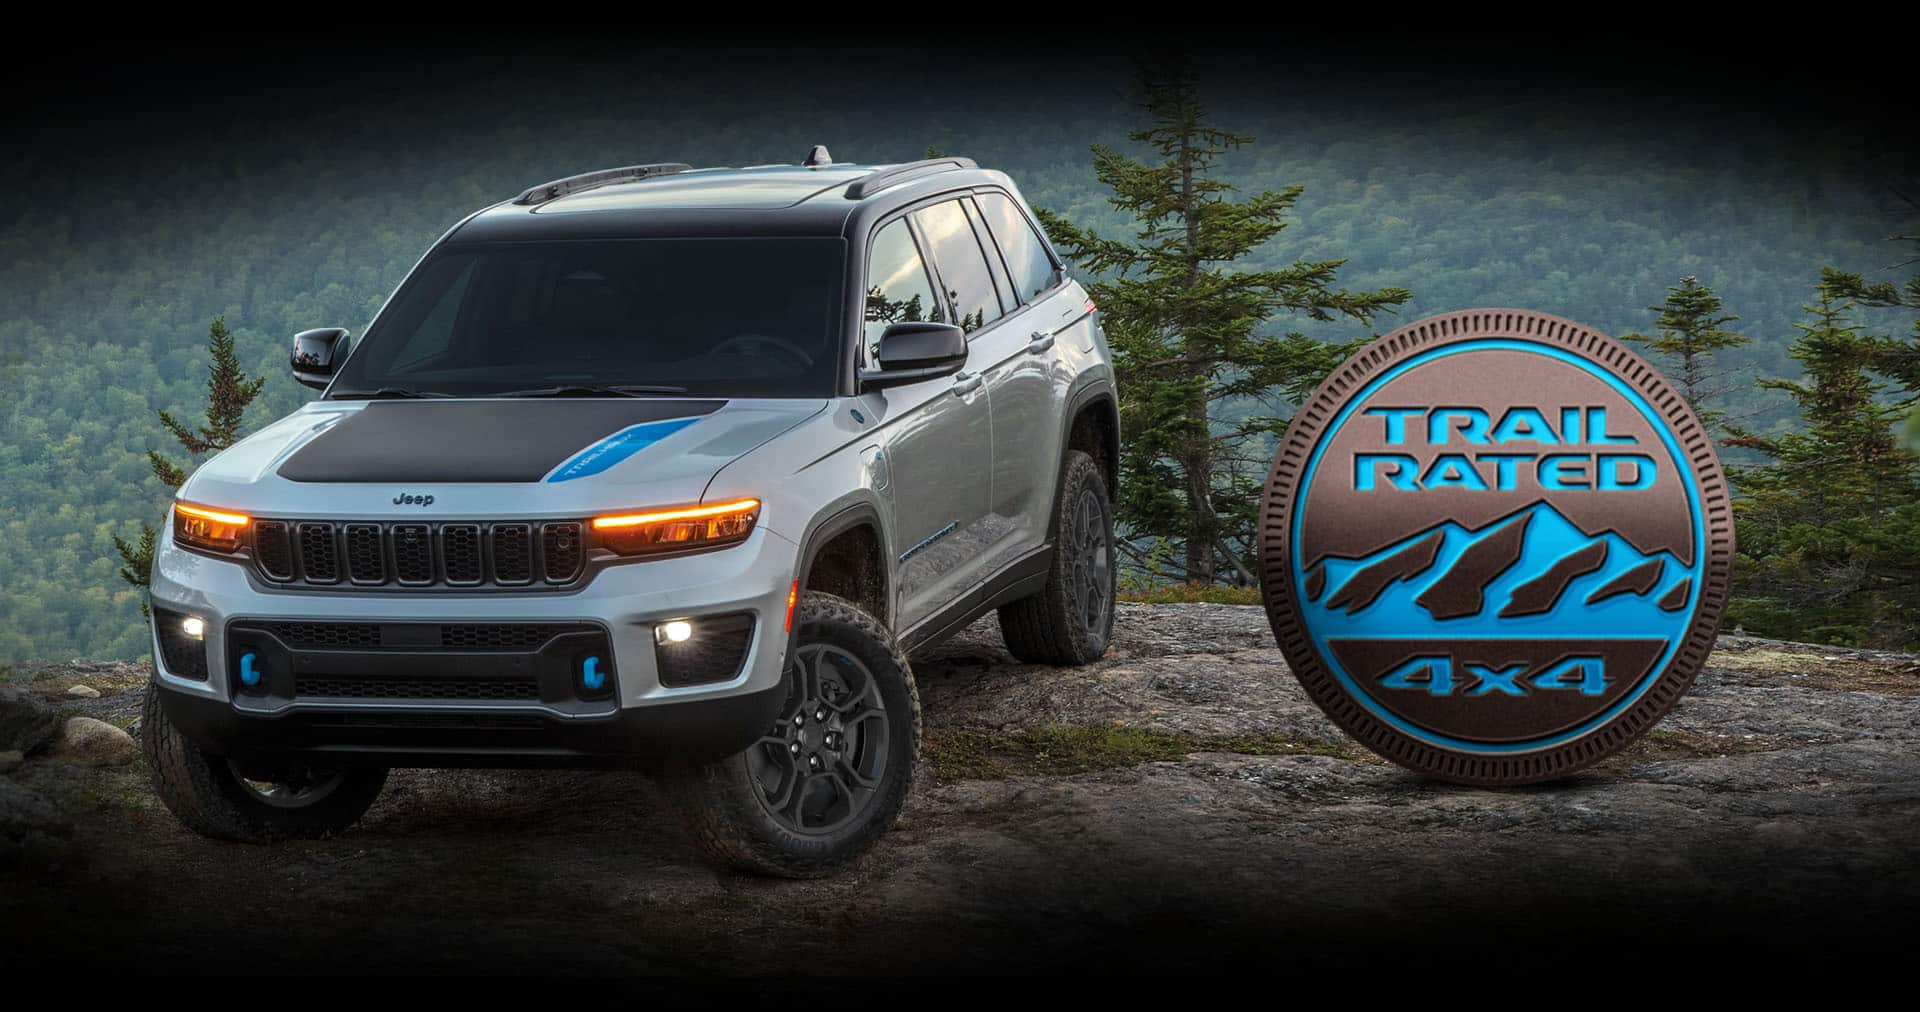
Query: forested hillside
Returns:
{"type": "Point", "coordinates": [115, 255]}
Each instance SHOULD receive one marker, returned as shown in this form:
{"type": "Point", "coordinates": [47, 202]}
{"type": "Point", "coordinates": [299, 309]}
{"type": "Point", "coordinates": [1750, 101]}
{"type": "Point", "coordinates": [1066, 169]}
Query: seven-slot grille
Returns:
{"type": "Point", "coordinates": [504, 554]}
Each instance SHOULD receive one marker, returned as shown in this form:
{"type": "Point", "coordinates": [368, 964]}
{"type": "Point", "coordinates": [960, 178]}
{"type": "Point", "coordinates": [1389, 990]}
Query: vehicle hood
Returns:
{"type": "Point", "coordinates": [489, 458]}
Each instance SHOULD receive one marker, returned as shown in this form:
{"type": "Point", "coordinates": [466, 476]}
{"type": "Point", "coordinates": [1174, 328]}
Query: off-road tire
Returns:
{"type": "Point", "coordinates": [205, 794]}
{"type": "Point", "coordinates": [720, 803]}
{"type": "Point", "coordinates": [1044, 628]}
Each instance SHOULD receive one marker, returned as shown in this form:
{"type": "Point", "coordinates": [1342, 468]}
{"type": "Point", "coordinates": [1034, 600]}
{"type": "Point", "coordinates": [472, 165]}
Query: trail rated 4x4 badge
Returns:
{"type": "Point", "coordinates": [1495, 546]}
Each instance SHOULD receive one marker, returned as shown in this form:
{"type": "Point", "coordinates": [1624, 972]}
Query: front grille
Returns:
{"type": "Point", "coordinates": [460, 553]}
{"type": "Point", "coordinates": [272, 547]}
{"type": "Point", "coordinates": [413, 554]}
{"type": "Point", "coordinates": [415, 688]}
{"type": "Point", "coordinates": [517, 636]}
{"type": "Point", "coordinates": [183, 655]}
{"type": "Point", "coordinates": [512, 553]}
{"type": "Point", "coordinates": [319, 556]}
{"type": "Point", "coordinates": [563, 550]}
{"type": "Point", "coordinates": [454, 555]}
{"type": "Point", "coordinates": [366, 554]}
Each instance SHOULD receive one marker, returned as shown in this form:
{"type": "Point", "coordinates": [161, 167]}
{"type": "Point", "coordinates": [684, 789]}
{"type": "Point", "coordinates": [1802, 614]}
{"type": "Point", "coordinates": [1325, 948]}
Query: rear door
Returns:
{"type": "Point", "coordinates": [937, 442]}
{"type": "Point", "coordinates": [978, 298]}
{"type": "Point", "coordinates": [1034, 367]}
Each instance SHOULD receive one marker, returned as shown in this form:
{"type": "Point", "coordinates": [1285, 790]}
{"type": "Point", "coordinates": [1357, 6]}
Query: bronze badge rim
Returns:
{"type": "Point", "coordinates": [1281, 496]}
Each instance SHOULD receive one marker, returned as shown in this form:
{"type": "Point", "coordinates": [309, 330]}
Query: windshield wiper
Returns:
{"type": "Point", "coordinates": [584, 390]}
{"type": "Point", "coordinates": [384, 394]}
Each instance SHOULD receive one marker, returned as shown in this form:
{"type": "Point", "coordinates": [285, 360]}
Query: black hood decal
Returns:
{"type": "Point", "coordinates": [471, 441]}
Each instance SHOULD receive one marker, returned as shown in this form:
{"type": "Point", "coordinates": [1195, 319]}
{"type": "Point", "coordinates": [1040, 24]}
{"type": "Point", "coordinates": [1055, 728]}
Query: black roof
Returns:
{"type": "Point", "coordinates": [759, 200]}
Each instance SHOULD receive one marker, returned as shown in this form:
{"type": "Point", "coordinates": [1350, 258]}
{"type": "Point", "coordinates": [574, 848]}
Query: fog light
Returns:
{"type": "Point", "coordinates": [715, 651]}
{"type": "Point", "coordinates": [193, 626]}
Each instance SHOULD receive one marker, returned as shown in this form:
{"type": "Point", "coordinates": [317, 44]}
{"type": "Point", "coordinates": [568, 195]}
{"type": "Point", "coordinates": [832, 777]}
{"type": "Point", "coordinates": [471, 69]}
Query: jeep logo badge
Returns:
{"type": "Point", "coordinates": [409, 499]}
{"type": "Point", "coordinates": [1495, 546]}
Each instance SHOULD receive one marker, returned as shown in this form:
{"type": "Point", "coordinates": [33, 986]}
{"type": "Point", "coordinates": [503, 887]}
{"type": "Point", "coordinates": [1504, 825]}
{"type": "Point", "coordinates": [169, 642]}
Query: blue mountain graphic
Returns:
{"type": "Point", "coordinates": [1561, 582]}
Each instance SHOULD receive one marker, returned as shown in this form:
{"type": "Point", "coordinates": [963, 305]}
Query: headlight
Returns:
{"type": "Point", "coordinates": [211, 529]}
{"type": "Point", "coordinates": [677, 530]}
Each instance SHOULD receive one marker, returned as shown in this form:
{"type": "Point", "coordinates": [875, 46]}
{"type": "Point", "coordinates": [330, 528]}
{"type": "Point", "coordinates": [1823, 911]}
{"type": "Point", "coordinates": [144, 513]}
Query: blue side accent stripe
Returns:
{"type": "Point", "coordinates": [616, 448]}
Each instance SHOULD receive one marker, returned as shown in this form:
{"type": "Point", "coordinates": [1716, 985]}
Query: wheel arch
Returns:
{"type": "Point", "coordinates": [1091, 424]}
{"type": "Point", "coordinates": [845, 553]}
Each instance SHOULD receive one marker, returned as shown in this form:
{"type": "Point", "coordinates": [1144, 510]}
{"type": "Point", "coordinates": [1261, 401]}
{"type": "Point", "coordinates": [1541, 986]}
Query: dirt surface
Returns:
{"type": "Point", "coordinates": [1777, 808]}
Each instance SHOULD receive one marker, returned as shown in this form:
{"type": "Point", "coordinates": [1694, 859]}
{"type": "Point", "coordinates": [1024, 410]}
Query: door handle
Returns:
{"type": "Point", "coordinates": [1041, 341]}
{"type": "Point", "coordinates": [966, 383]}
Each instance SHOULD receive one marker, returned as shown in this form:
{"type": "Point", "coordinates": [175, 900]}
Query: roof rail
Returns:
{"type": "Point", "coordinates": [588, 180]}
{"type": "Point", "coordinates": [873, 182]}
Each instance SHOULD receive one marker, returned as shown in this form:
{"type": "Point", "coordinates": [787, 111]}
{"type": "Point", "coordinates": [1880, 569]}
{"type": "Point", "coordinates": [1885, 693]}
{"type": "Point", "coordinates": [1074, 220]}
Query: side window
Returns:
{"type": "Point", "coordinates": [897, 287]}
{"type": "Point", "coordinates": [961, 263]}
{"type": "Point", "coordinates": [1026, 255]}
{"type": "Point", "coordinates": [996, 265]}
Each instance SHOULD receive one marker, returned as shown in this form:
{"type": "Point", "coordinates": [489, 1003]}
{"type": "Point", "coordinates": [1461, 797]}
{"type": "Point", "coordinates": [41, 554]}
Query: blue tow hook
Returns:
{"type": "Point", "coordinates": [249, 675]}
{"type": "Point", "coordinates": [590, 674]}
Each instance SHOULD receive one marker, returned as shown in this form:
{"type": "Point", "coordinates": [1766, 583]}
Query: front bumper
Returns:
{"type": "Point", "coordinates": [639, 717]}
{"type": "Point", "coordinates": [475, 736]}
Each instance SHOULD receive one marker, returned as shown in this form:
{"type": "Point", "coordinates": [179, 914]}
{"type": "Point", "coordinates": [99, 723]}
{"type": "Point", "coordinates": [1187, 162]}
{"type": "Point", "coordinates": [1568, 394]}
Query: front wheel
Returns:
{"type": "Point", "coordinates": [829, 776]}
{"type": "Point", "coordinates": [1070, 620]}
{"type": "Point", "coordinates": [251, 803]}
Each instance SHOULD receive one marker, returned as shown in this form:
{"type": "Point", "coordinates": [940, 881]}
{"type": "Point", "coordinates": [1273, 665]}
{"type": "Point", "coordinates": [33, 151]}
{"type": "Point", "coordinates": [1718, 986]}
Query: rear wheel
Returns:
{"type": "Point", "coordinates": [1070, 620]}
{"type": "Point", "coordinates": [251, 803]}
{"type": "Point", "coordinates": [829, 776]}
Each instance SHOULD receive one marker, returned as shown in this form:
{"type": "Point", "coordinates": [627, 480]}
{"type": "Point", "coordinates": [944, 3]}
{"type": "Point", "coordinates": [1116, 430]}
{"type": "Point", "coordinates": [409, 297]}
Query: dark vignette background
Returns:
{"type": "Point", "coordinates": [106, 140]}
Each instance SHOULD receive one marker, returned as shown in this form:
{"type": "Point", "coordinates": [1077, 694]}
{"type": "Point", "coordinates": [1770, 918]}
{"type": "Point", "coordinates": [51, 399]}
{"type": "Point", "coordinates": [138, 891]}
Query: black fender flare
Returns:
{"type": "Point", "coordinates": [1087, 395]}
{"type": "Point", "coordinates": [832, 524]}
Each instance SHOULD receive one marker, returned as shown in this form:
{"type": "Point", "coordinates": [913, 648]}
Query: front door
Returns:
{"type": "Point", "coordinates": [937, 437]}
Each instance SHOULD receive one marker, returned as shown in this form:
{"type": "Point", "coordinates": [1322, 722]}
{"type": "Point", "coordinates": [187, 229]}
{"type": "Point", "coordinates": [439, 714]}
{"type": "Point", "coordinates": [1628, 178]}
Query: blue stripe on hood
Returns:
{"type": "Point", "coordinates": [616, 448]}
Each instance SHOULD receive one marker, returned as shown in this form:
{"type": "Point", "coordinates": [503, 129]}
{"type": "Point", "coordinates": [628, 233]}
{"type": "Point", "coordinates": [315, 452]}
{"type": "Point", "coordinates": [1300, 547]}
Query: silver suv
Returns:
{"type": "Point", "coordinates": [659, 466]}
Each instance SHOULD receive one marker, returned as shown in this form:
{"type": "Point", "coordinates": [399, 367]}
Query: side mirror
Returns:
{"type": "Point", "coordinates": [913, 352]}
{"type": "Point", "coordinates": [316, 353]}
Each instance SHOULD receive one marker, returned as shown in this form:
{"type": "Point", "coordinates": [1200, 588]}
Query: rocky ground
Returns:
{"type": "Point", "coordinates": [1179, 804]}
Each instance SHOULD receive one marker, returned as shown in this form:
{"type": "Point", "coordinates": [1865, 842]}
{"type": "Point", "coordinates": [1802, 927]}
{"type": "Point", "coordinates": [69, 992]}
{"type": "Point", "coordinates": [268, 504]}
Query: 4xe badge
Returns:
{"type": "Point", "coordinates": [1495, 546]}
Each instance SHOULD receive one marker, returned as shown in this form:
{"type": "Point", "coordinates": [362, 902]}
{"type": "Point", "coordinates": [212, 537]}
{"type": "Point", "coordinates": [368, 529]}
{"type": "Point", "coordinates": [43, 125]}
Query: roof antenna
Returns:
{"type": "Point", "coordinates": [817, 157]}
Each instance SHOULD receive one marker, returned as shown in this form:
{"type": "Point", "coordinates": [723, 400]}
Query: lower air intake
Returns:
{"type": "Point", "coordinates": [414, 688]}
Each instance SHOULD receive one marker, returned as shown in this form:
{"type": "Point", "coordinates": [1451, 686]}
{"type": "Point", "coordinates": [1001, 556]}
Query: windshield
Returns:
{"type": "Point", "coordinates": [732, 317]}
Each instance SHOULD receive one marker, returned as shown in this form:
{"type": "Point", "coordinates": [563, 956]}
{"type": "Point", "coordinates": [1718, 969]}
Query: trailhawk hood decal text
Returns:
{"type": "Point", "coordinates": [616, 448]}
{"type": "Point", "coordinates": [416, 442]}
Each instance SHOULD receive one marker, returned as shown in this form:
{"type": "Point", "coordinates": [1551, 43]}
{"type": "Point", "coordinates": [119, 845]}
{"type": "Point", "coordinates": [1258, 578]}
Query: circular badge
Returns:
{"type": "Point", "coordinates": [1495, 546]}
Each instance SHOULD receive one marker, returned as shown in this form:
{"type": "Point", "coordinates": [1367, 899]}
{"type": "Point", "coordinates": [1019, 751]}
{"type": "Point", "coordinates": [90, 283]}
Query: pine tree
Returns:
{"type": "Point", "coordinates": [1691, 328]}
{"type": "Point", "coordinates": [1185, 320]}
{"type": "Point", "coordinates": [229, 391]}
{"type": "Point", "coordinates": [1900, 360]}
{"type": "Point", "coordinates": [1829, 529]}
